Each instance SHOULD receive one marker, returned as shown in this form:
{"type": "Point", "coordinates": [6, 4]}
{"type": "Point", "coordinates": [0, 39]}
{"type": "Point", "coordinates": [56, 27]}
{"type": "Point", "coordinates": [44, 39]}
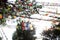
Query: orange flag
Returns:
{"type": "Point", "coordinates": [1, 16]}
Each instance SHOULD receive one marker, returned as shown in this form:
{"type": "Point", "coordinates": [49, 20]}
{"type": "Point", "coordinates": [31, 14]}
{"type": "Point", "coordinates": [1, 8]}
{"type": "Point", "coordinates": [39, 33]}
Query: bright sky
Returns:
{"type": "Point", "coordinates": [51, 1]}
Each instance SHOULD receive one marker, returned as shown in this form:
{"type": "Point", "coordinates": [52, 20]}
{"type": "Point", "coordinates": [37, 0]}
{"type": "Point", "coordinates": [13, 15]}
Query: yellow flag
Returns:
{"type": "Point", "coordinates": [31, 27]}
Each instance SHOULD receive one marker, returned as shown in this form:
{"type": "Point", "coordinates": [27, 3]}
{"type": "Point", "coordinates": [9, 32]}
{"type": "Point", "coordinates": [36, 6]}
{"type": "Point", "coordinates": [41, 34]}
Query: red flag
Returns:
{"type": "Point", "coordinates": [22, 25]}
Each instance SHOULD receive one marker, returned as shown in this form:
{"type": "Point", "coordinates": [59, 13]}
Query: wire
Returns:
{"type": "Point", "coordinates": [4, 34]}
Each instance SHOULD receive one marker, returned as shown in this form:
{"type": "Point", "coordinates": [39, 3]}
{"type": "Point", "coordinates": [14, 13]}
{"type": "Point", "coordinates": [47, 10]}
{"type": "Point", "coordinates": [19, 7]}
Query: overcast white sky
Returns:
{"type": "Point", "coordinates": [51, 1]}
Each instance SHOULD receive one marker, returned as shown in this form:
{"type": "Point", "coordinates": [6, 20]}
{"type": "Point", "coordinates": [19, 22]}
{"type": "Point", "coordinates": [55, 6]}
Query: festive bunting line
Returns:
{"type": "Point", "coordinates": [39, 19]}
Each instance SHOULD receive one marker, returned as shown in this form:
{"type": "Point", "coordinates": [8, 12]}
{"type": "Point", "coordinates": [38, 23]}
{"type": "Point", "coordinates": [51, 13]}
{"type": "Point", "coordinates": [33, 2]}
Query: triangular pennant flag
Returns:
{"type": "Point", "coordinates": [46, 14]}
{"type": "Point", "coordinates": [1, 16]}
